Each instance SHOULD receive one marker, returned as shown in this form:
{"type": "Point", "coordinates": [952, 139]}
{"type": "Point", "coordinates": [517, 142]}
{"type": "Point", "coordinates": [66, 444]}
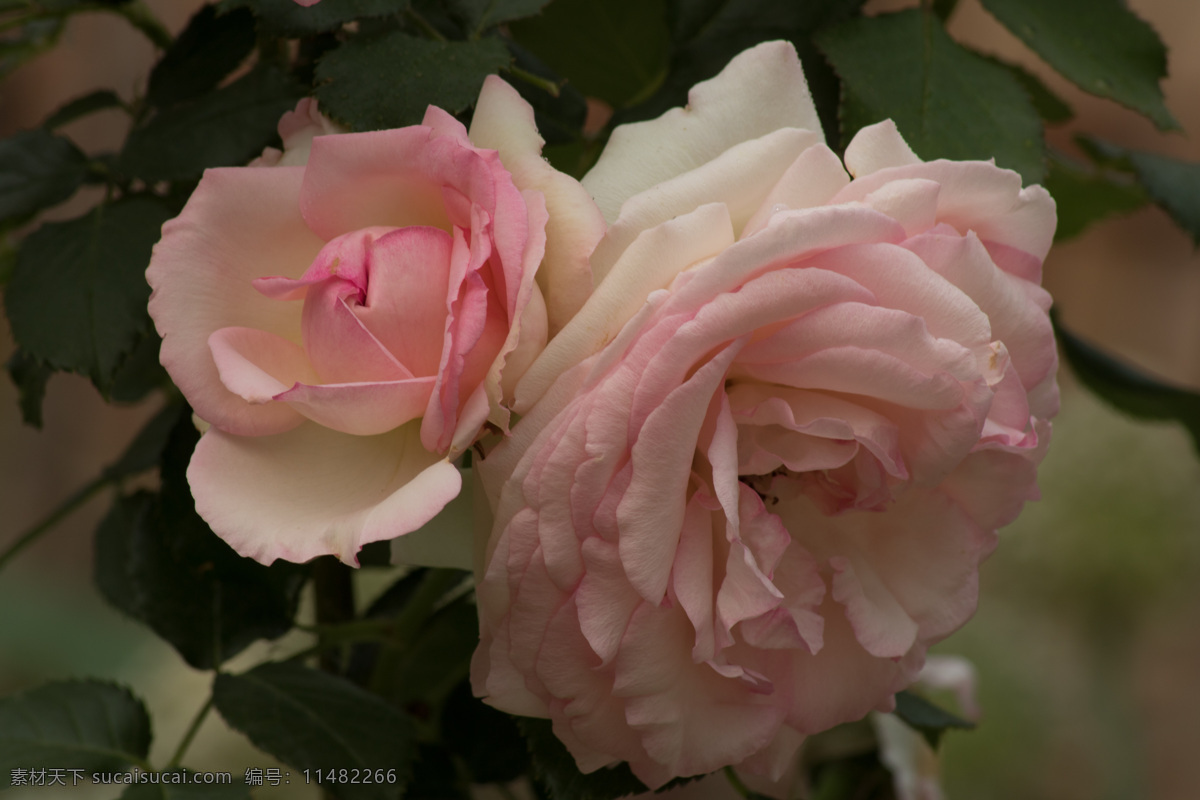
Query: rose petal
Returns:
{"type": "Point", "coordinates": [760, 91]}
{"type": "Point", "coordinates": [238, 225]}
{"type": "Point", "coordinates": [312, 491]}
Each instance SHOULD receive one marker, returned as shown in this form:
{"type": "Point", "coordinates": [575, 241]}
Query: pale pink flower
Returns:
{"type": "Point", "coordinates": [348, 314]}
{"type": "Point", "coordinates": [758, 470]}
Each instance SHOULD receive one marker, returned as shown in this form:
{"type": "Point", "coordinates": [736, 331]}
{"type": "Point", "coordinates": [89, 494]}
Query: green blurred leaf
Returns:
{"type": "Point", "coordinates": [948, 102]}
{"type": "Point", "coordinates": [31, 40]}
{"type": "Point", "coordinates": [707, 34]}
{"type": "Point", "coordinates": [146, 449]}
{"type": "Point", "coordinates": [559, 119]}
{"type": "Point", "coordinates": [479, 15]}
{"type": "Point", "coordinates": [1085, 196]}
{"type": "Point", "coordinates": [185, 789]}
{"type": "Point", "coordinates": [207, 50]}
{"type": "Point", "coordinates": [313, 720]}
{"type": "Point", "coordinates": [88, 725]}
{"type": "Point", "coordinates": [77, 298]}
{"type": "Point", "coordinates": [29, 375]}
{"type": "Point", "coordinates": [435, 776]}
{"type": "Point", "coordinates": [930, 720]}
{"type": "Point", "coordinates": [227, 127]}
{"type": "Point", "coordinates": [388, 81]}
{"type": "Point", "coordinates": [1050, 106]}
{"type": "Point", "coordinates": [488, 741]}
{"type": "Point", "coordinates": [1174, 185]}
{"type": "Point", "coordinates": [438, 657]}
{"type": "Point", "coordinates": [158, 562]}
{"type": "Point", "coordinates": [1100, 45]}
{"type": "Point", "coordinates": [616, 50]}
{"type": "Point", "coordinates": [37, 170]}
{"type": "Point", "coordinates": [90, 103]}
{"type": "Point", "coordinates": [285, 17]}
{"type": "Point", "coordinates": [556, 770]}
{"type": "Point", "coordinates": [140, 372]}
{"type": "Point", "coordinates": [1126, 387]}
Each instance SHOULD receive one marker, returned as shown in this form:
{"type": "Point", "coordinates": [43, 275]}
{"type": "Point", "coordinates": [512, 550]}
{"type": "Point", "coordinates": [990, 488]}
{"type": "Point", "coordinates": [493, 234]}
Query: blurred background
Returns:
{"type": "Point", "coordinates": [1087, 639]}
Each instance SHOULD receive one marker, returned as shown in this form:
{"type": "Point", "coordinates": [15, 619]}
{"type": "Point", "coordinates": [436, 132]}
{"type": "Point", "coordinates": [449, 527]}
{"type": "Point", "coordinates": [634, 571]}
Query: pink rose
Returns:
{"type": "Point", "coordinates": [350, 317]}
{"type": "Point", "coordinates": [758, 470]}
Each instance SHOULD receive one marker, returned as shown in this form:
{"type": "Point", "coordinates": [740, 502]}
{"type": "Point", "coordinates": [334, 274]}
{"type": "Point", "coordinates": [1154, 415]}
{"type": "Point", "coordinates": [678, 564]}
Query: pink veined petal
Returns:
{"type": "Point", "coordinates": [239, 224]}
{"type": "Point", "coordinates": [692, 577]}
{"type": "Point", "coordinates": [361, 409]}
{"type": "Point", "coordinates": [392, 178]}
{"type": "Point", "coordinates": [651, 513]}
{"type": "Point", "coordinates": [339, 345]}
{"type": "Point", "coordinates": [444, 124]}
{"type": "Point", "coordinates": [258, 365]}
{"type": "Point", "coordinates": [405, 305]}
{"type": "Point", "coordinates": [312, 491]}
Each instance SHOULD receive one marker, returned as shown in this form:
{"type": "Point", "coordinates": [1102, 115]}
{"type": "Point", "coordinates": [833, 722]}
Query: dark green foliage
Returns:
{"type": "Point", "coordinates": [947, 101]}
{"type": "Point", "coordinates": [616, 50]}
{"type": "Point", "coordinates": [206, 51]}
{"type": "Point", "coordinates": [1128, 388]}
{"type": "Point", "coordinates": [375, 83]}
{"type": "Point", "coordinates": [87, 725]}
{"type": "Point", "coordinates": [227, 127]}
{"type": "Point", "coordinates": [286, 18]}
{"type": "Point", "coordinates": [488, 741]}
{"type": "Point", "coordinates": [555, 769]}
{"type": "Point", "coordinates": [1100, 45]}
{"type": "Point", "coordinates": [312, 720]}
{"type": "Point", "coordinates": [89, 103]}
{"type": "Point", "coordinates": [157, 561]}
{"type": "Point", "coordinates": [927, 718]}
{"type": "Point", "coordinates": [1085, 196]}
{"type": "Point", "coordinates": [29, 375]}
{"type": "Point", "coordinates": [77, 297]}
{"type": "Point", "coordinates": [37, 170]}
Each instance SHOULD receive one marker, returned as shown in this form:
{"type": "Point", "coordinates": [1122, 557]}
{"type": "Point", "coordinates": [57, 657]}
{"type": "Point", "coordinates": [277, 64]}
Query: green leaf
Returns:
{"type": "Point", "coordinates": [31, 40]}
{"type": "Point", "coordinates": [29, 375]}
{"type": "Point", "coordinates": [1100, 45]}
{"type": "Point", "coordinates": [207, 50]}
{"type": "Point", "coordinates": [140, 372]}
{"type": "Point", "coordinates": [479, 15]}
{"type": "Point", "coordinates": [77, 298]}
{"type": "Point", "coordinates": [313, 720]}
{"type": "Point", "coordinates": [88, 725]}
{"type": "Point", "coordinates": [1085, 196]}
{"type": "Point", "coordinates": [180, 784]}
{"type": "Point", "coordinates": [158, 562]}
{"type": "Point", "coordinates": [556, 770]}
{"type": "Point", "coordinates": [147, 448]}
{"type": "Point", "coordinates": [227, 127]}
{"type": "Point", "coordinates": [1126, 387]}
{"type": "Point", "coordinates": [930, 720]}
{"type": "Point", "coordinates": [285, 17]}
{"type": "Point", "coordinates": [1174, 185]}
{"type": "Point", "coordinates": [488, 741]}
{"type": "Point", "coordinates": [90, 103]}
{"type": "Point", "coordinates": [616, 50]}
{"type": "Point", "coordinates": [708, 33]}
{"type": "Point", "coordinates": [437, 659]}
{"type": "Point", "coordinates": [37, 170]}
{"type": "Point", "coordinates": [948, 102]}
{"type": "Point", "coordinates": [387, 81]}
{"type": "Point", "coordinates": [1050, 107]}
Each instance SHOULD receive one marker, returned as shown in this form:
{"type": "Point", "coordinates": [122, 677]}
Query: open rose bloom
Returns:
{"type": "Point", "coordinates": [349, 313]}
{"type": "Point", "coordinates": [757, 472]}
